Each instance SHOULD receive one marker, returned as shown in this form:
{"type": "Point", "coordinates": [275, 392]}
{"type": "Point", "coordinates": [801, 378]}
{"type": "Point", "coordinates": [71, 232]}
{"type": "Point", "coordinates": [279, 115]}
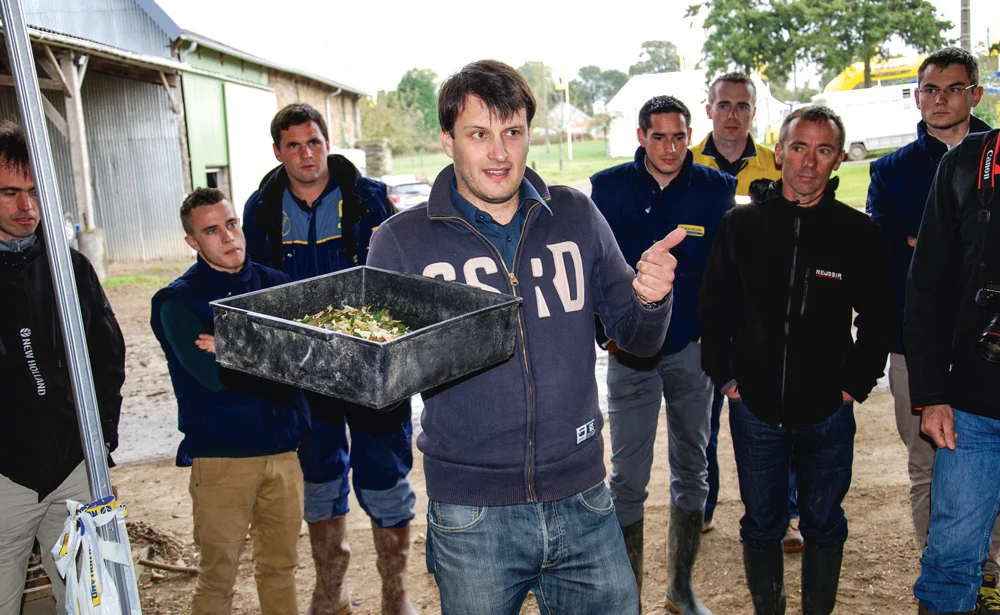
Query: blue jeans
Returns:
{"type": "Point", "coordinates": [379, 451]}
{"type": "Point", "coordinates": [822, 454]}
{"type": "Point", "coordinates": [965, 501]}
{"type": "Point", "coordinates": [570, 553]}
{"type": "Point", "coordinates": [634, 400]}
{"type": "Point", "coordinates": [712, 453]}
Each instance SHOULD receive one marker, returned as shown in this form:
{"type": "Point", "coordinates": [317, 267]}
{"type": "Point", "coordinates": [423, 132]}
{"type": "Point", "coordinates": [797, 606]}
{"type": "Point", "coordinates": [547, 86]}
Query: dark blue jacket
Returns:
{"type": "Point", "coordinates": [325, 250]}
{"type": "Point", "coordinates": [251, 416]}
{"type": "Point", "coordinates": [528, 429]}
{"type": "Point", "coordinates": [897, 194]}
{"type": "Point", "coordinates": [640, 214]}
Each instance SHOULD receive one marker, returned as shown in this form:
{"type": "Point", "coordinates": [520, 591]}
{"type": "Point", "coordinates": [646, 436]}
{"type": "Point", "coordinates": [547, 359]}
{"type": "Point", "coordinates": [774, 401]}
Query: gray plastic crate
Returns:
{"type": "Point", "coordinates": [454, 330]}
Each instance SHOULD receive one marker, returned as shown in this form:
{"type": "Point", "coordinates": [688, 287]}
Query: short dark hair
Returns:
{"type": "Point", "coordinates": [948, 56]}
{"type": "Point", "coordinates": [812, 113]}
{"type": "Point", "coordinates": [737, 78]}
{"type": "Point", "coordinates": [13, 148]}
{"type": "Point", "coordinates": [198, 198]}
{"type": "Point", "coordinates": [662, 104]}
{"type": "Point", "coordinates": [294, 115]}
{"type": "Point", "coordinates": [502, 89]}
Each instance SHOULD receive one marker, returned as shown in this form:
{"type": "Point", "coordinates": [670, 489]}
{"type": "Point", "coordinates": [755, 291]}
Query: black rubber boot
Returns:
{"type": "Point", "coordinates": [766, 579]}
{"type": "Point", "coordinates": [633, 545]}
{"type": "Point", "coordinates": [820, 577]}
{"type": "Point", "coordinates": [683, 543]}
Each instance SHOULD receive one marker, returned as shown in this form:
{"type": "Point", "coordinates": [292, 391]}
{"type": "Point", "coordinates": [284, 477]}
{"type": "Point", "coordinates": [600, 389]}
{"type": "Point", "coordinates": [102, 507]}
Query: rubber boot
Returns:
{"type": "Point", "coordinates": [766, 579]}
{"type": "Point", "coordinates": [683, 543]}
{"type": "Point", "coordinates": [392, 548]}
{"type": "Point", "coordinates": [820, 577]}
{"type": "Point", "coordinates": [633, 545]}
{"type": "Point", "coordinates": [331, 555]}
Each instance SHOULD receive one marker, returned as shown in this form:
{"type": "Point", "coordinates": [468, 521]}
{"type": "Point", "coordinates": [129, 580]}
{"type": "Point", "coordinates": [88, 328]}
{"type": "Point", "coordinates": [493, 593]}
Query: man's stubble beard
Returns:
{"type": "Point", "coordinates": [951, 125]}
{"type": "Point", "coordinates": [488, 199]}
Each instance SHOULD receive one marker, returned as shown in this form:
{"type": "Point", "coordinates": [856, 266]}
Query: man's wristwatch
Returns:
{"type": "Point", "coordinates": [650, 305]}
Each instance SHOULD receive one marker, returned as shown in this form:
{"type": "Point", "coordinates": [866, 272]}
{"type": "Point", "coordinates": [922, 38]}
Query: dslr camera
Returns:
{"type": "Point", "coordinates": [989, 341]}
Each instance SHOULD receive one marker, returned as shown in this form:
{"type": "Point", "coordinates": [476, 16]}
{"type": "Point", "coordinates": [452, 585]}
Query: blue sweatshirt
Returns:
{"type": "Point", "coordinates": [529, 429]}
{"type": "Point", "coordinates": [640, 213]}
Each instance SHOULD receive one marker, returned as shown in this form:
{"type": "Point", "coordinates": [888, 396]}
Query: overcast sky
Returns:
{"type": "Point", "coordinates": [371, 44]}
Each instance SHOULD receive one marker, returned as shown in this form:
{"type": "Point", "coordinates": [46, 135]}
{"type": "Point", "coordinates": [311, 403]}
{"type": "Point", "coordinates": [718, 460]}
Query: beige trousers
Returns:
{"type": "Point", "coordinates": [22, 518]}
{"type": "Point", "coordinates": [231, 496]}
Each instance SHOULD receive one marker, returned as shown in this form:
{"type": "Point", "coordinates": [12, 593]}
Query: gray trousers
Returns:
{"type": "Point", "coordinates": [920, 460]}
{"type": "Point", "coordinates": [634, 398]}
{"type": "Point", "coordinates": [22, 517]}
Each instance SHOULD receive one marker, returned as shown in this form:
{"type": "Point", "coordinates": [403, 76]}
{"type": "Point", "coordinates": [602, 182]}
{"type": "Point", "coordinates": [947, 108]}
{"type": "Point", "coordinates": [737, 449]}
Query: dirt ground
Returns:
{"type": "Point", "coordinates": [880, 561]}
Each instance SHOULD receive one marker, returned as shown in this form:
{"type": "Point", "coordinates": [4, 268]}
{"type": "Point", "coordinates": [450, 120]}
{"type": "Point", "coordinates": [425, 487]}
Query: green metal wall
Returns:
{"type": "Point", "coordinates": [205, 108]}
{"type": "Point", "coordinates": [209, 59]}
{"type": "Point", "coordinates": [205, 115]}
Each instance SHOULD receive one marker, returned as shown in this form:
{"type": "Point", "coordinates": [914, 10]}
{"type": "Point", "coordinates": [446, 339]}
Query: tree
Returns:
{"type": "Point", "coordinates": [842, 32]}
{"type": "Point", "coordinates": [418, 86]}
{"type": "Point", "coordinates": [395, 116]}
{"type": "Point", "coordinates": [779, 89]}
{"type": "Point", "coordinates": [752, 36]}
{"type": "Point", "coordinates": [539, 78]}
{"type": "Point", "coordinates": [593, 84]}
{"type": "Point", "coordinates": [656, 57]}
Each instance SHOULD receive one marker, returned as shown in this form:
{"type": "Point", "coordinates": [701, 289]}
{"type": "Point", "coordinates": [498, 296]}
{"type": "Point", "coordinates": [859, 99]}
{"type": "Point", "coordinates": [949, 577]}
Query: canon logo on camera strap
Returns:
{"type": "Point", "coordinates": [990, 163]}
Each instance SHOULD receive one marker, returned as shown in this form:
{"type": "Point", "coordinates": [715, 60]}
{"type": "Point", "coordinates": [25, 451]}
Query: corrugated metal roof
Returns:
{"type": "Point", "coordinates": [116, 23]}
{"type": "Point", "coordinates": [308, 49]}
{"type": "Point", "coordinates": [140, 32]}
{"type": "Point", "coordinates": [226, 49]}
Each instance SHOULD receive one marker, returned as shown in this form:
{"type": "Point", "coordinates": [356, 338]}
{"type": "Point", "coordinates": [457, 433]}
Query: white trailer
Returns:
{"type": "Point", "coordinates": [876, 118]}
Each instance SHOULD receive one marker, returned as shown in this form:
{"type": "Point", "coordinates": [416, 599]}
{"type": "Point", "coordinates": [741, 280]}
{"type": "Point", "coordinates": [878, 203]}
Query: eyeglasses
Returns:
{"type": "Point", "coordinates": [932, 92]}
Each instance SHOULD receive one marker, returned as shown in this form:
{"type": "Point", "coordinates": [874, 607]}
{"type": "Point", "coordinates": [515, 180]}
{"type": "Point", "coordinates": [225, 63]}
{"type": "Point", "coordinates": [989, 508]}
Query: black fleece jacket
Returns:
{"type": "Point", "coordinates": [776, 305]}
{"type": "Point", "coordinates": [942, 323]}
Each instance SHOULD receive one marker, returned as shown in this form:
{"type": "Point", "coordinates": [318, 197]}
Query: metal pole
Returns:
{"type": "Point", "coordinates": [966, 28]}
{"type": "Point", "coordinates": [569, 122]}
{"type": "Point", "coordinates": [63, 280]}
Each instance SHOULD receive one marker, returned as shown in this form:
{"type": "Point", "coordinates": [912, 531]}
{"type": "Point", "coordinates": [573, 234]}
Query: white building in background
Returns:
{"type": "Point", "coordinates": [691, 87]}
{"type": "Point", "coordinates": [562, 115]}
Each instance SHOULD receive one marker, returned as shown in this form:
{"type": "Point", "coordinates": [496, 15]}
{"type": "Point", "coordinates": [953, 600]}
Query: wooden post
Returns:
{"type": "Point", "coordinates": [79, 154]}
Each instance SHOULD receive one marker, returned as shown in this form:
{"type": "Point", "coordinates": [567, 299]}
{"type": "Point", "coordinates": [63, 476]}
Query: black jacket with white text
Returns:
{"type": "Point", "coordinates": [777, 302]}
{"type": "Point", "coordinates": [38, 413]}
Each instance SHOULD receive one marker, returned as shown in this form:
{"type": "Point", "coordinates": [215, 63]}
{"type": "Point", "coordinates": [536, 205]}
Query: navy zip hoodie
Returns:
{"type": "Point", "coordinates": [529, 429]}
{"type": "Point", "coordinates": [640, 213]}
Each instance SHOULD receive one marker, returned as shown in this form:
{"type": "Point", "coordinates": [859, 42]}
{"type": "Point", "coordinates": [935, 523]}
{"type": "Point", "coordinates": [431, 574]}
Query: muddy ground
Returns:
{"type": "Point", "coordinates": [880, 562]}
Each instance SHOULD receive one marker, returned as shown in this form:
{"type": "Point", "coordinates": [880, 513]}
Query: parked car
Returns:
{"type": "Point", "coordinates": [407, 191]}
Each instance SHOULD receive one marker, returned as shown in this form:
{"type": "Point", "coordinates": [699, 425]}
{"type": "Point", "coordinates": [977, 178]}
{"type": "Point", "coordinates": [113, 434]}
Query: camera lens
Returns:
{"type": "Point", "coordinates": [989, 343]}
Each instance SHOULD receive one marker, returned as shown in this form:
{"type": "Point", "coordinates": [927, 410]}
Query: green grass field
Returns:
{"type": "Point", "coordinates": [854, 181]}
{"type": "Point", "coordinates": [588, 158]}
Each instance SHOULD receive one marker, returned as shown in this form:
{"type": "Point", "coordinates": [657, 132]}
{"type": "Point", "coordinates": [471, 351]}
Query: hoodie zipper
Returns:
{"type": "Point", "coordinates": [788, 311]}
{"type": "Point", "coordinates": [529, 472]}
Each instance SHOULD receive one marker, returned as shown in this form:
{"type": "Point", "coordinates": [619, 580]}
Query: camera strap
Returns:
{"type": "Point", "coordinates": [988, 213]}
{"type": "Point", "coordinates": [989, 168]}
